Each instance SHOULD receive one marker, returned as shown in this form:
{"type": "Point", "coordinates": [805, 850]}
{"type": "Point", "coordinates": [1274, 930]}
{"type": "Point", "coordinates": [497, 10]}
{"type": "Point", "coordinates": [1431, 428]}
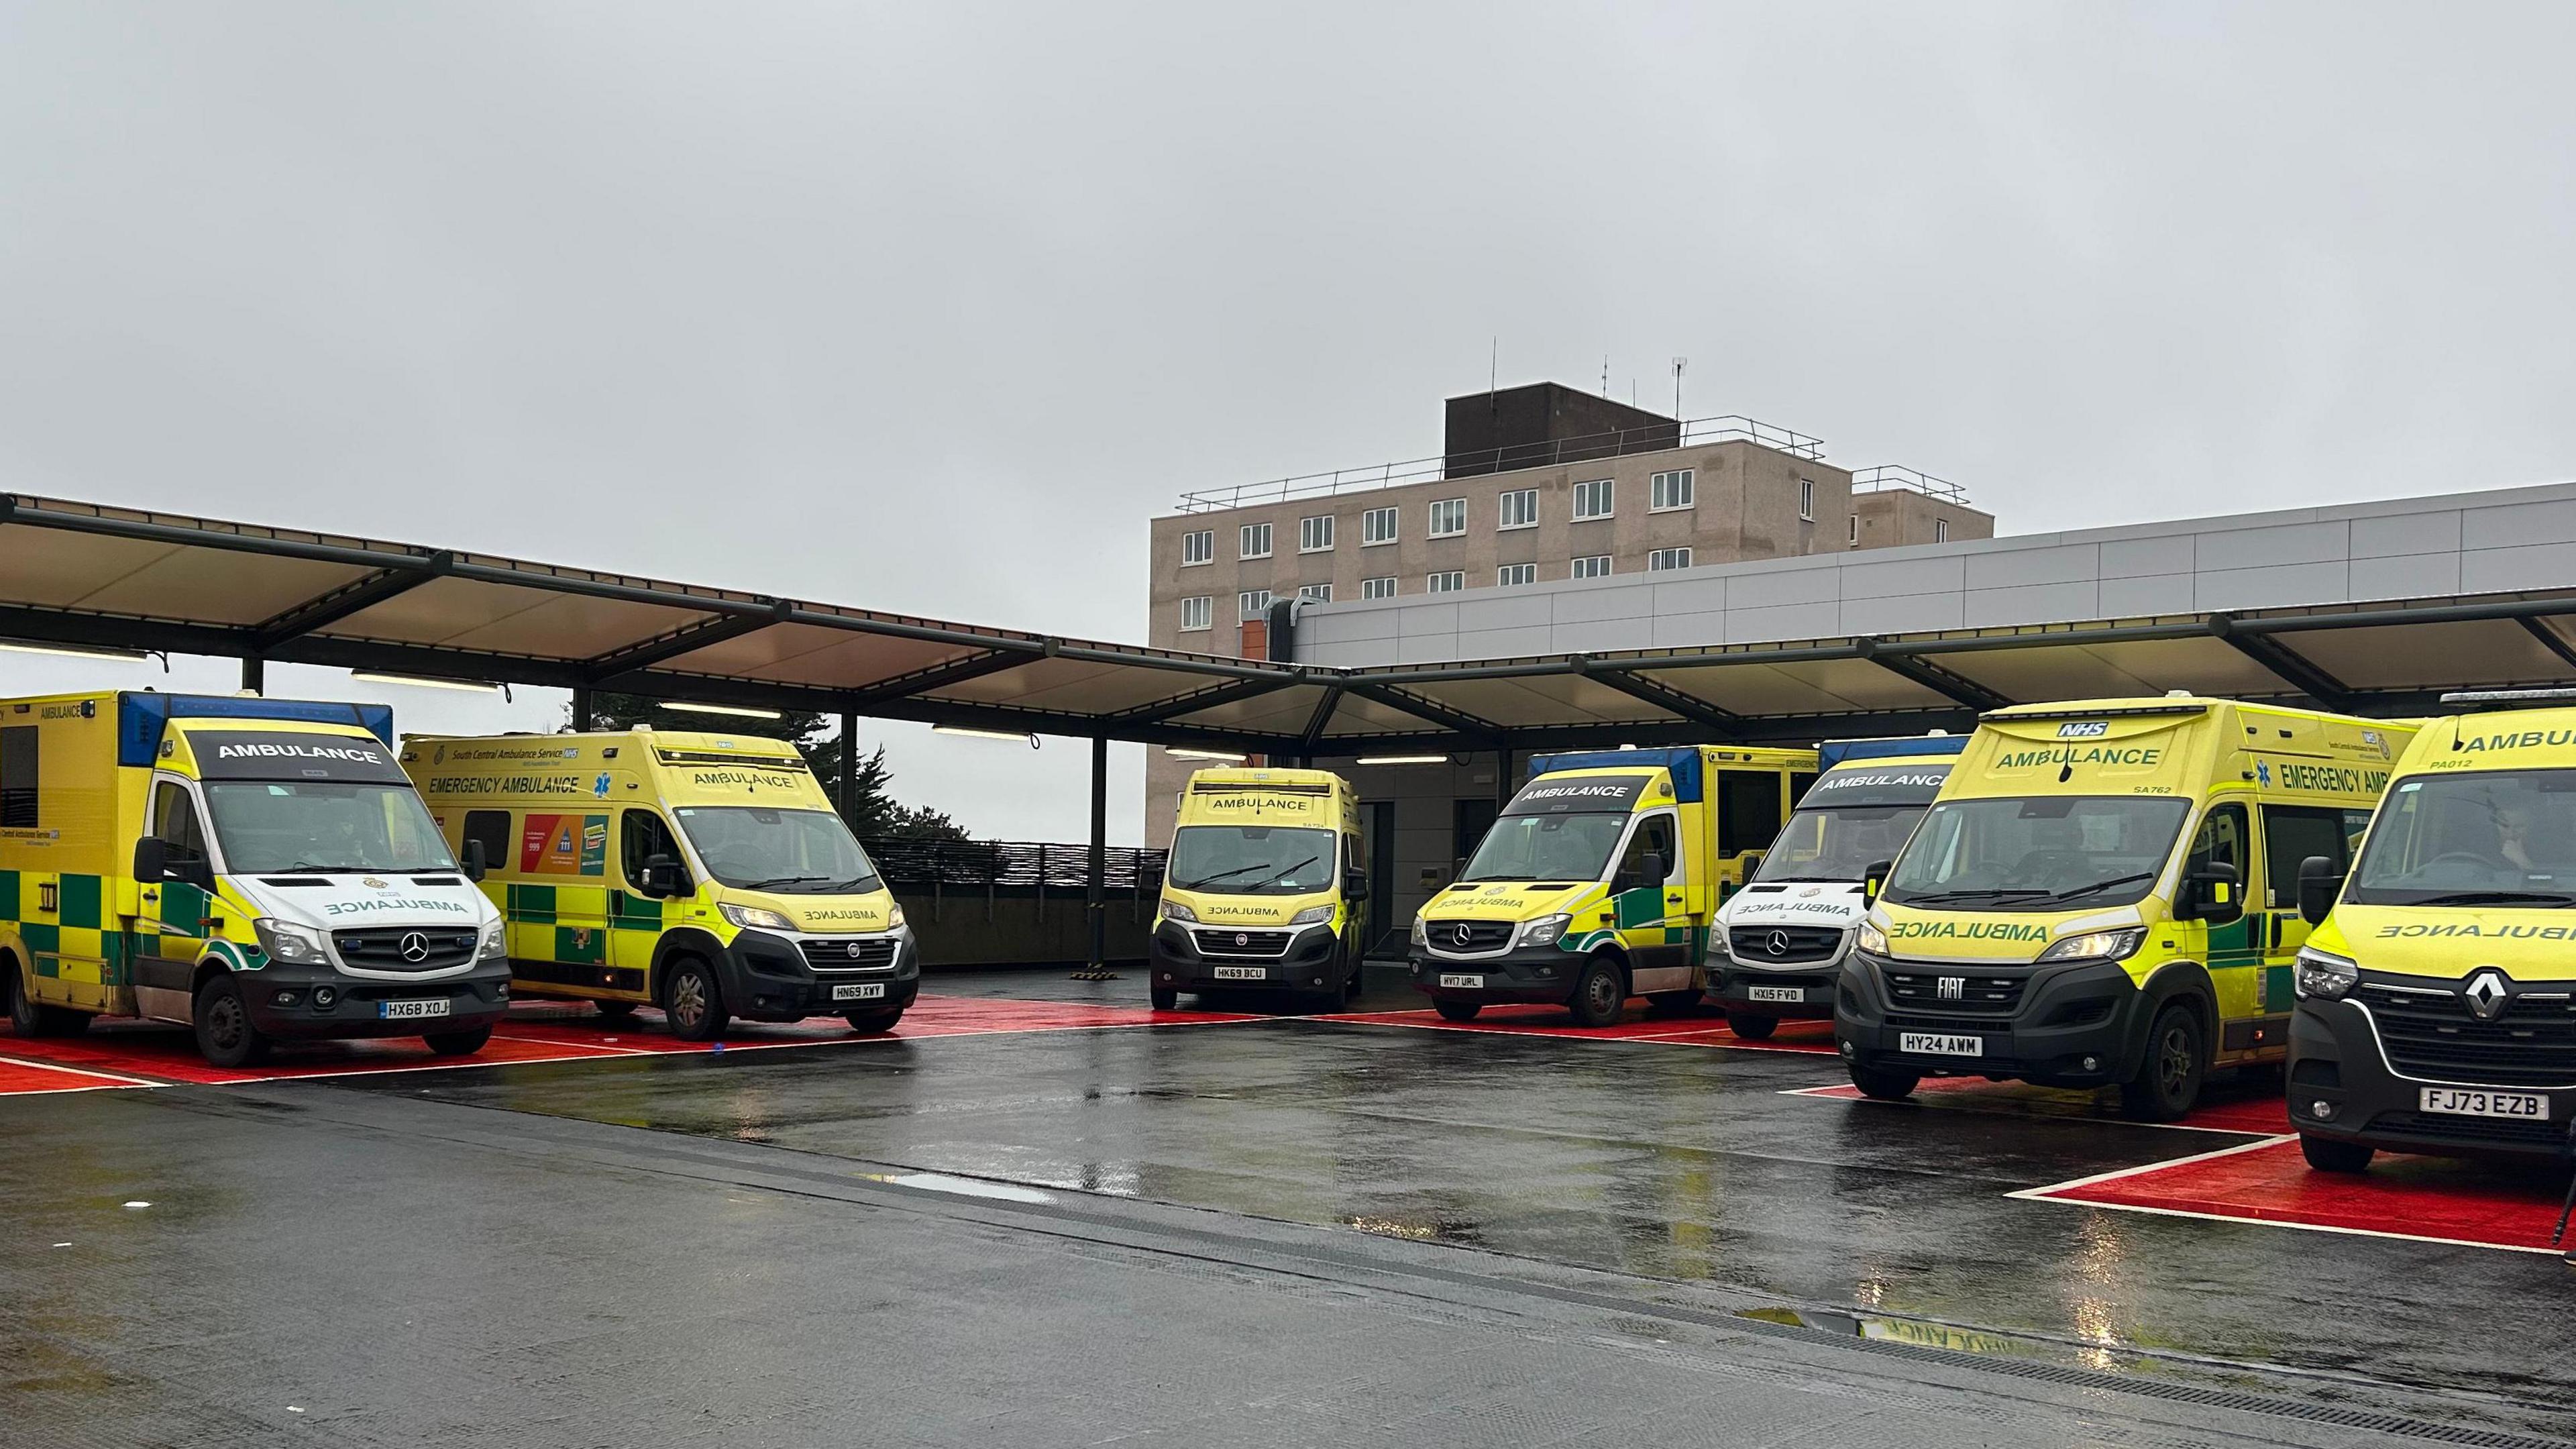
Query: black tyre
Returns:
{"type": "Point", "coordinates": [872, 1022]}
{"type": "Point", "coordinates": [1752, 1026]}
{"type": "Point", "coordinates": [1885, 1084]}
{"type": "Point", "coordinates": [2327, 1155]}
{"type": "Point", "coordinates": [693, 1002]}
{"type": "Point", "coordinates": [457, 1043]}
{"type": "Point", "coordinates": [1355, 984]}
{"type": "Point", "coordinates": [2168, 1081]}
{"type": "Point", "coordinates": [1674, 1003]}
{"type": "Point", "coordinates": [225, 1035]}
{"type": "Point", "coordinates": [26, 1018]}
{"type": "Point", "coordinates": [1457, 1010]}
{"type": "Point", "coordinates": [1165, 998]}
{"type": "Point", "coordinates": [1600, 995]}
{"type": "Point", "coordinates": [615, 1010]}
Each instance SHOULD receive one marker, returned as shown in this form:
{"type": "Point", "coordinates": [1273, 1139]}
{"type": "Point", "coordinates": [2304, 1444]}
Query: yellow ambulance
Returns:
{"type": "Point", "coordinates": [1264, 888]}
{"type": "Point", "coordinates": [2105, 893]}
{"type": "Point", "coordinates": [258, 869]}
{"type": "Point", "coordinates": [2437, 1005]}
{"type": "Point", "coordinates": [703, 874]}
{"type": "Point", "coordinates": [1600, 879]}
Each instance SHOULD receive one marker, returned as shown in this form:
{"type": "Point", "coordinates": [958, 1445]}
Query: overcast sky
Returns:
{"type": "Point", "coordinates": [930, 307]}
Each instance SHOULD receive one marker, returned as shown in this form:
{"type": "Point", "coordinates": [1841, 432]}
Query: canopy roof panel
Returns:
{"type": "Point", "coordinates": [84, 574]}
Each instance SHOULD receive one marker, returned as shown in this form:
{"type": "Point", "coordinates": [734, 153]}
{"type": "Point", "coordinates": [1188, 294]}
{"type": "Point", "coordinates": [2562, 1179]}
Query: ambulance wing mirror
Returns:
{"type": "Point", "coordinates": [475, 864]}
{"type": "Point", "coordinates": [151, 860]}
{"type": "Point", "coordinates": [2215, 893]}
{"type": "Point", "coordinates": [661, 876]}
{"type": "Point", "coordinates": [1355, 885]}
{"type": "Point", "coordinates": [2320, 881]}
{"type": "Point", "coordinates": [1874, 880]}
{"type": "Point", "coordinates": [1753, 862]}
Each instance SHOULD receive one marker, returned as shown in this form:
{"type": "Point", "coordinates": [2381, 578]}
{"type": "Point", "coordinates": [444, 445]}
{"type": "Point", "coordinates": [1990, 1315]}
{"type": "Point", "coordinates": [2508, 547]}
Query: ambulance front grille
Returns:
{"type": "Point", "coordinates": [1923, 991]}
{"type": "Point", "coordinates": [867, 953]}
{"type": "Point", "coordinates": [405, 948]}
{"type": "Point", "coordinates": [2436, 1038]}
{"type": "Point", "coordinates": [1760, 945]}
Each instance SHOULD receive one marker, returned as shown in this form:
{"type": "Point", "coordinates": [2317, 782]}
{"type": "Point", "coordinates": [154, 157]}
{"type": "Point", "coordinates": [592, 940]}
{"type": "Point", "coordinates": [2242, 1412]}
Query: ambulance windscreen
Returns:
{"type": "Point", "coordinates": [2036, 853]}
{"type": "Point", "coordinates": [2487, 838]}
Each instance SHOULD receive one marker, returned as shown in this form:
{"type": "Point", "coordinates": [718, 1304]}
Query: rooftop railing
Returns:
{"type": "Point", "coordinates": [1510, 457]}
{"type": "Point", "coordinates": [1913, 480]}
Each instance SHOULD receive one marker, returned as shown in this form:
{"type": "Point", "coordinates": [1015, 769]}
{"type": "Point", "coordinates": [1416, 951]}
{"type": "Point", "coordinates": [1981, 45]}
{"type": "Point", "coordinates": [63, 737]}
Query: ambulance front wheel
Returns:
{"type": "Point", "coordinates": [225, 1036]}
{"type": "Point", "coordinates": [2327, 1155]}
{"type": "Point", "coordinates": [2168, 1081]}
{"type": "Point", "coordinates": [1885, 1084]}
{"type": "Point", "coordinates": [873, 1022]}
{"type": "Point", "coordinates": [1600, 995]}
{"type": "Point", "coordinates": [457, 1043]}
{"type": "Point", "coordinates": [27, 1018]}
{"type": "Point", "coordinates": [1750, 1026]}
{"type": "Point", "coordinates": [692, 1001]}
{"type": "Point", "coordinates": [1457, 1010]}
{"type": "Point", "coordinates": [1166, 998]}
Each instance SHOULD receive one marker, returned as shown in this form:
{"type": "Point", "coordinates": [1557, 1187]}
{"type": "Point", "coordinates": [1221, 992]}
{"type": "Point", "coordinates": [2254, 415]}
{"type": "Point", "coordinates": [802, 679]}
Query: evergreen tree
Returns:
{"type": "Point", "coordinates": [874, 813]}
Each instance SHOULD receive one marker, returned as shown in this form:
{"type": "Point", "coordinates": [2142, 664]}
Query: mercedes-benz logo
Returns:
{"type": "Point", "coordinates": [857, 948]}
{"type": "Point", "coordinates": [1465, 937]}
{"type": "Point", "coordinates": [415, 946]}
{"type": "Point", "coordinates": [2486, 994]}
{"type": "Point", "coordinates": [1777, 943]}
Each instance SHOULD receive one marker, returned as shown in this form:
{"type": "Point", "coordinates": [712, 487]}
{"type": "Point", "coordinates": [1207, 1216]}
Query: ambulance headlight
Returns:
{"type": "Point", "coordinates": [1174, 911]}
{"type": "Point", "coordinates": [2117, 945]}
{"type": "Point", "coordinates": [1312, 916]}
{"type": "Point", "coordinates": [1421, 938]}
{"type": "Point", "coordinates": [288, 942]}
{"type": "Point", "coordinates": [1545, 930]}
{"type": "Point", "coordinates": [495, 943]}
{"type": "Point", "coordinates": [2325, 975]}
{"type": "Point", "coordinates": [894, 918]}
{"type": "Point", "coordinates": [1872, 939]}
{"type": "Point", "coordinates": [755, 917]}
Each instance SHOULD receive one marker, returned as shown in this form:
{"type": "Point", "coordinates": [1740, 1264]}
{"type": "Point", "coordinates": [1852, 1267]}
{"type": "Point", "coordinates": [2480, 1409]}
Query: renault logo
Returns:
{"type": "Point", "coordinates": [2486, 994]}
{"type": "Point", "coordinates": [1465, 936]}
{"type": "Point", "coordinates": [415, 946]}
{"type": "Point", "coordinates": [1777, 943]}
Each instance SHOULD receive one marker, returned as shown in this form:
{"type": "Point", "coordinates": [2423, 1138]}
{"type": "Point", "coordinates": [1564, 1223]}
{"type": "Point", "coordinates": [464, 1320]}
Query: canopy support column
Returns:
{"type": "Point", "coordinates": [1097, 969]}
{"type": "Point", "coordinates": [581, 711]}
{"type": "Point", "coordinates": [254, 674]}
{"type": "Point", "coordinates": [848, 794]}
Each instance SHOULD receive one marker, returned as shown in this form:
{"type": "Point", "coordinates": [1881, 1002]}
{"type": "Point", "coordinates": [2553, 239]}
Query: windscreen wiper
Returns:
{"type": "Point", "coordinates": [1978, 893]}
{"type": "Point", "coordinates": [1208, 880]}
{"type": "Point", "coordinates": [2102, 885]}
{"type": "Point", "coordinates": [780, 880]}
{"type": "Point", "coordinates": [1292, 870]}
{"type": "Point", "coordinates": [2497, 898]}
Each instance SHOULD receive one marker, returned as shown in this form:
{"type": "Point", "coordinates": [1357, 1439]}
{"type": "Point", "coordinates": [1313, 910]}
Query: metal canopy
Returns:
{"type": "Point", "coordinates": [84, 574]}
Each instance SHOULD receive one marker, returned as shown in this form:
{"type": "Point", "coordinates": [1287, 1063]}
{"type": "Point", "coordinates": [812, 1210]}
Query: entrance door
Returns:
{"type": "Point", "coordinates": [2236, 944]}
{"type": "Point", "coordinates": [171, 931]}
{"type": "Point", "coordinates": [1751, 808]}
{"type": "Point", "coordinates": [634, 914]}
{"type": "Point", "coordinates": [1377, 823]}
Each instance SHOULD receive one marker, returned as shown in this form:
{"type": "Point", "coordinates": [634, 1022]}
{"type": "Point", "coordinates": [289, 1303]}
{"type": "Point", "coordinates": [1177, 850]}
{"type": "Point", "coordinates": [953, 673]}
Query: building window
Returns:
{"type": "Point", "coordinates": [1855, 530]}
{"type": "Point", "coordinates": [1940, 530]}
{"type": "Point", "coordinates": [1510, 574]}
{"type": "Point", "coordinates": [1597, 566]}
{"type": "Point", "coordinates": [1315, 535]}
{"type": "Point", "coordinates": [1377, 588]}
{"type": "Point", "coordinates": [1807, 499]}
{"type": "Point", "coordinates": [1377, 526]}
{"type": "Point", "coordinates": [1667, 558]}
{"type": "Point", "coordinates": [1671, 490]}
{"type": "Point", "coordinates": [1253, 603]}
{"type": "Point", "coordinates": [1195, 613]}
{"type": "Point", "coordinates": [1519, 509]}
{"type": "Point", "coordinates": [1448, 583]}
{"type": "Point", "coordinates": [1254, 542]}
{"type": "Point", "coordinates": [1198, 548]}
{"type": "Point", "coordinates": [1592, 500]}
{"type": "Point", "coordinates": [1448, 517]}
{"type": "Point", "coordinates": [1315, 593]}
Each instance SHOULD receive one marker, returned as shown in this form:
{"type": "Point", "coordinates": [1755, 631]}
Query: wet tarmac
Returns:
{"type": "Point", "coordinates": [1676, 1181]}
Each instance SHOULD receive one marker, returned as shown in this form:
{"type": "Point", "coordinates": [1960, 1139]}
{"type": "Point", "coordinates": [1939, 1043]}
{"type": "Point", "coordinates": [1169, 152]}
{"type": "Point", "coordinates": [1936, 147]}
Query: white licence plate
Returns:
{"type": "Point", "coordinates": [1242, 973]}
{"type": "Point", "coordinates": [1791, 994]}
{"type": "Point", "coordinates": [2470, 1102]}
{"type": "Point", "coordinates": [405, 1010]}
{"type": "Point", "coordinates": [1472, 983]}
{"type": "Point", "coordinates": [860, 991]}
{"type": "Point", "coordinates": [1931, 1044]}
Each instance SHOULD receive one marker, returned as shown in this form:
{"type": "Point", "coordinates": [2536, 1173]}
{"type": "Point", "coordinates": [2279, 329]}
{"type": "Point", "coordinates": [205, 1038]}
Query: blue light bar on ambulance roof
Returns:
{"type": "Point", "coordinates": [142, 717]}
{"type": "Point", "coordinates": [1682, 761]}
{"type": "Point", "coordinates": [2507, 698]}
{"type": "Point", "coordinates": [1843, 752]}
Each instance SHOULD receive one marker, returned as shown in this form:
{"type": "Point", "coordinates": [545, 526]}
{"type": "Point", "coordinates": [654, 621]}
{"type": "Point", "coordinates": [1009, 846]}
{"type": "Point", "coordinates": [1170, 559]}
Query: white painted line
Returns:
{"type": "Point", "coordinates": [2281, 1223]}
{"type": "Point", "coordinates": [579, 1046]}
{"type": "Point", "coordinates": [963, 1186]}
{"type": "Point", "coordinates": [2099, 1178]}
{"type": "Point", "coordinates": [77, 1072]}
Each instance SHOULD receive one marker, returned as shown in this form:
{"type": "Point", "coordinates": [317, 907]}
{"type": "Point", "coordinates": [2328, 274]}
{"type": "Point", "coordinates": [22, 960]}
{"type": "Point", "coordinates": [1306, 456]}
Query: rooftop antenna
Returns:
{"type": "Point", "coordinates": [1605, 377]}
{"type": "Point", "coordinates": [1678, 364]}
{"type": "Point", "coordinates": [1494, 368]}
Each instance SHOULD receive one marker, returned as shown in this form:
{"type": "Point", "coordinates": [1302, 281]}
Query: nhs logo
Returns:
{"type": "Point", "coordinates": [2083, 729]}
